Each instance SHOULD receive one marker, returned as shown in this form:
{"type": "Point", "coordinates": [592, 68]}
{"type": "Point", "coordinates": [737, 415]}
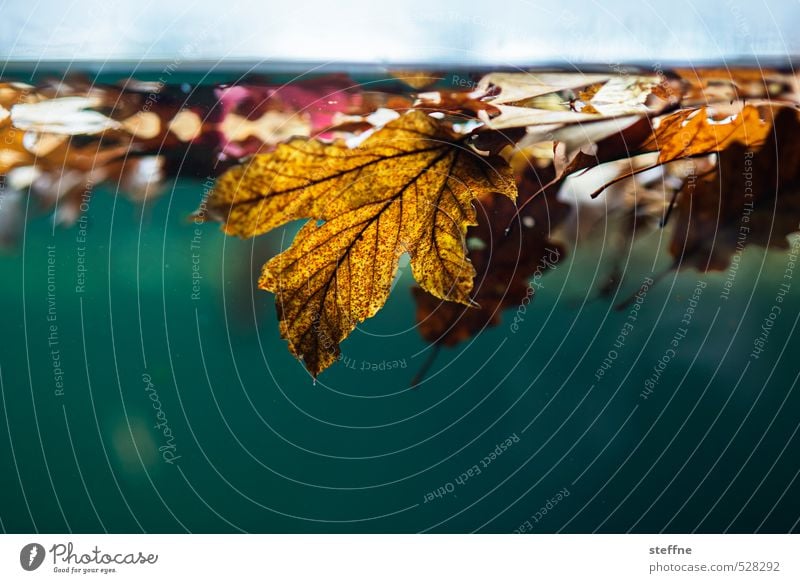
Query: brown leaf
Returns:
{"type": "Point", "coordinates": [505, 263]}
{"type": "Point", "coordinates": [723, 85]}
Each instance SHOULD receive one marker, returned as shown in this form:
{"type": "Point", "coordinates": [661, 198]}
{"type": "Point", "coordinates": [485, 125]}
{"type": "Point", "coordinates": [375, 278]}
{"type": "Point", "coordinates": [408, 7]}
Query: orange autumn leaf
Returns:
{"type": "Point", "coordinates": [408, 188]}
{"type": "Point", "coordinates": [693, 132]}
{"type": "Point", "coordinates": [752, 197]}
{"type": "Point", "coordinates": [690, 133]}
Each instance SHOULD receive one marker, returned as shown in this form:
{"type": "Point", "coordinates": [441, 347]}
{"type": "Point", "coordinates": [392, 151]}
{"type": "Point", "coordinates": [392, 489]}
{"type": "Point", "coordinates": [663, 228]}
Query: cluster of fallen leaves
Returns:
{"type": "Point", "coordinates": [466, 183]}
{"type": "Point", "coordinates": [465, 180]}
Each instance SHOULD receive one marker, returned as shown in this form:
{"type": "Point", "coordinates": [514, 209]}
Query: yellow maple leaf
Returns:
{"type": "Point", "coordinates": [408, 188]}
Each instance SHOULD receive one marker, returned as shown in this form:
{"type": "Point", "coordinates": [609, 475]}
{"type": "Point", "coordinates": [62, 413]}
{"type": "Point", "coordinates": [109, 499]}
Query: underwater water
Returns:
{"type": "Point", "coordinates": [145, 387]}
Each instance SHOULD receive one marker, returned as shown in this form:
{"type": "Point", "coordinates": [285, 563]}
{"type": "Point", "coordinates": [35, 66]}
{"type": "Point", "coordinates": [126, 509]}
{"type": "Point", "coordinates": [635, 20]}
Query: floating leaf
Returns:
{"type": "Point", "coordinates": [723, 85]}
{"type": "Point", "coordinates": [409, 188]}
{"type": "Point", "coordinates": [539, 101]}
{"type": "Point", "coordinates": [693, 132]}
{"type": "Point", "coordinates": [515, 87]}
{"type": "Point", "coordinates": [417, 79]}
{"type": "Point", "coordinates": [753, 197]}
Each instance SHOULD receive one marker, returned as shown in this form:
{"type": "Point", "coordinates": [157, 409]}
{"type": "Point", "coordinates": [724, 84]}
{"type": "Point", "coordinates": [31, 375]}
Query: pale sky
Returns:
{"type": "Point", "coordinates": [490, 32]}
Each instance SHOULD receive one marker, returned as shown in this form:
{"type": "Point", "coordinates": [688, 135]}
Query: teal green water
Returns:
{"type": "Point", "coordinates": [251, 444]}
